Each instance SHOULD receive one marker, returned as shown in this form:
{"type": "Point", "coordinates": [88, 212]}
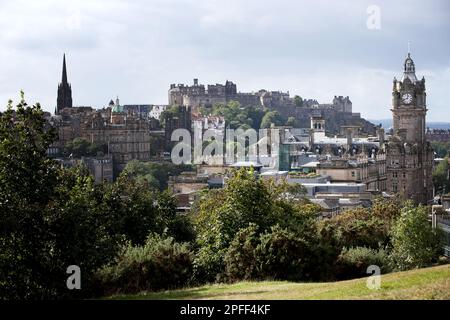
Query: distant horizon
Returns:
{"type": "Point", "coordinates": [387, 123]}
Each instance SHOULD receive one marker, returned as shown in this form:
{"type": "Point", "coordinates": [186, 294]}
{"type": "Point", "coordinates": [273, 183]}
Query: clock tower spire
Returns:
{"type": "Point", "coordinates": [409, 157]}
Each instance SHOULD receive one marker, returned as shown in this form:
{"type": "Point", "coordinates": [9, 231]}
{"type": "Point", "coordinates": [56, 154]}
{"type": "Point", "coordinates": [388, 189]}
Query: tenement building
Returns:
{"type": "Point", "coordinates": [409, 156]}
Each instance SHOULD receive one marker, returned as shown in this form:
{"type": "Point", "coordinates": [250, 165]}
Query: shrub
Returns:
{"type": "Point", "coordinates": [161, 263]}
{"type": "Point", "coordinates": [415, 244]}
{"type": "Point", "coordinates": [282, 255]}
{"type": "Point", "coordinates": [353, 262]}
{"type": "Point", "coordinates": [355, 228]}
{"type": "Point", "coordinates": [240, 260]}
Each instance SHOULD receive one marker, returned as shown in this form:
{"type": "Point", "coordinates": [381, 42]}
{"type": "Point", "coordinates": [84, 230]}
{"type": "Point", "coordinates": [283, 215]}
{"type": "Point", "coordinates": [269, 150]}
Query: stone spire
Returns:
{"type": "Point", "coordinates": [64, 99]}
{"type": "Point", "coordinates": [409, 69]}
{"type": "Point", "coordinates": [64, 71]}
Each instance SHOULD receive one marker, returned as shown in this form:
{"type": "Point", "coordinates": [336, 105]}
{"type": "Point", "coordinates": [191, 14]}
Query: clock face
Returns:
{"type": "Point", "coordinates": [407, 98]}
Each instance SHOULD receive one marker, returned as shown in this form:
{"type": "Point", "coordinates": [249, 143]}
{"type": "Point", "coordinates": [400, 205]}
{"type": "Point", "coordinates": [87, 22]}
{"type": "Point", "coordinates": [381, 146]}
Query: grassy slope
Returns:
{"type": "Point", "coordinates": [428, 283]}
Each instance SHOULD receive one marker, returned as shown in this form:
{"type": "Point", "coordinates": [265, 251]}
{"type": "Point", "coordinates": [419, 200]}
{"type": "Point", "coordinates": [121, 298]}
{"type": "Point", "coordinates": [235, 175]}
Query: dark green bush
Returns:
{"type": "Point", "coordinates": [240, 259]}
{"type": "Point", "coordinates": [283, 255]}
{"type": "Point", "coordinates": [161, 263]}
{"type": "Point", "coordinates": [353, 262]}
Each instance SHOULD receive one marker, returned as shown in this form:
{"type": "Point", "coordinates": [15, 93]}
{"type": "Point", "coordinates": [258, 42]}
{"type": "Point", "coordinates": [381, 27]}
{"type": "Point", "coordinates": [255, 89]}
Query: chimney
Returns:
{"type": "Point", "coordinates": [380, 134]}
{"type": "Point", "coordinates": [195, 82]}
{"type": "Point", "coordinates": [349, 136]}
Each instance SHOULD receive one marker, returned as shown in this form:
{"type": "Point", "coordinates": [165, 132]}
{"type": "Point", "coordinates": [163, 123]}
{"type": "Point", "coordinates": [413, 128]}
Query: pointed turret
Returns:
{"type": "Point", "coordinates": [64, 70]}
{"type": "Point", "coordinates": [64, 99]}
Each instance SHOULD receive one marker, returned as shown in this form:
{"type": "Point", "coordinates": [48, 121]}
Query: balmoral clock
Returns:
{"type": "Point", "coordinates": [407, 98]}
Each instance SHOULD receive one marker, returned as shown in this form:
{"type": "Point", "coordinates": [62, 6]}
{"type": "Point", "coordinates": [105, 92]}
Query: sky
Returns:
{"type": "Point", "coordinates": [136, 49]}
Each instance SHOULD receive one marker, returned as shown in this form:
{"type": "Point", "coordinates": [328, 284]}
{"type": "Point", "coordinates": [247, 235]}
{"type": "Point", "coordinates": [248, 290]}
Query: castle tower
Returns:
{"type": "Point", "coordinates": [409, 157]}
{"type": "Point", "coordinates": [64, 99]}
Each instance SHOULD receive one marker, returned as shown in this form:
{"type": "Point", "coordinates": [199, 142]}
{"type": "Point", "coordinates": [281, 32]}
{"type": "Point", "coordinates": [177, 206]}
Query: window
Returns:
{"type": "Point", "coordinates": [394, 174]}
{"type": "Point", "coordinates": [353, 174]}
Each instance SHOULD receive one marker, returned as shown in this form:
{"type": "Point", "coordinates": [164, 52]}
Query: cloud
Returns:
{"type": "Point", "coordinates": [135, 49]}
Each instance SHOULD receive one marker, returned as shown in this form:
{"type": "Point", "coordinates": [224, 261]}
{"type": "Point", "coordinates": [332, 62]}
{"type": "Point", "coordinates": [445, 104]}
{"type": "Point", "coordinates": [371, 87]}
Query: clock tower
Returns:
{"type": "Point", "coordinates": [409, 157]}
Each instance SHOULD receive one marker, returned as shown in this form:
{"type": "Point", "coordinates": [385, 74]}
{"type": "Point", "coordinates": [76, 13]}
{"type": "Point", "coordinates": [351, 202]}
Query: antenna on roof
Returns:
{"type": "Point", "coordinates": [409, 47]}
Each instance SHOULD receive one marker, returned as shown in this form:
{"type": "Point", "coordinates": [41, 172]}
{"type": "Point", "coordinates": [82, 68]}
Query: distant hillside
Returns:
{"type": "Point", "coordinates": [387, 123]}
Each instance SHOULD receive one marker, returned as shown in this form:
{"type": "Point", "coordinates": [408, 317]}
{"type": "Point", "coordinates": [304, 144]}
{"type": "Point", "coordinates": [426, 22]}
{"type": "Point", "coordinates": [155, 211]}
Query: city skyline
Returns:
{"type": "Point", "coordinates": [295, 48]}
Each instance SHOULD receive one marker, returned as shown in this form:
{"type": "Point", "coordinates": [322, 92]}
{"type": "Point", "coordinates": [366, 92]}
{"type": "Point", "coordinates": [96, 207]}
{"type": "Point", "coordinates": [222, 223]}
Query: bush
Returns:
{"type": "Point", "coordinates": [161, 263]}
{"type": "Point", "coordinates": [415, 244]}
{"type": "Point", "coordinates": [240, 259]}
{"type": "Point", "coordinates": [356, 228]}
{"type": "Point", "coordinates": [353, 262]}
{"type": "Point", "coordinates": [282, 255]}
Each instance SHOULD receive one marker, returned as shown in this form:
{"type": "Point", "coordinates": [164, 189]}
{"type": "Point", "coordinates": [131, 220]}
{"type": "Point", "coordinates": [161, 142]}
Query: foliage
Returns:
{"type": "Point", "coordinates": [298, 101]}
{"type": "Point", "coordinates": [441, 179]}
{"type": "Point", "coordinates": [355, 228]}
{"type": "Point", "coordinates": [235, 116]}
{"type": "Point", "coordinates": [271, 117]}
{"type": "Point", "coordinates": [161, 263]}
{"type": "Point", "coordinates": [49, 217]}
{"type": "Point", "coordinates": [442, 148]}
{"type": "Point", "coordinates": [284, 255]}
{"type": "Point", "coordinates": [154, 174]}
{"type": "Point", "coordinates": [415, 244]}
{"type": "Point", "coordinates": [80, 147]}
{"type": "Point", "coordinates": [246, 199]}
{"type": "Point", "coordinates": [353, 262]}
{"type": "Point", "coordinates": [240, 258]}
{"type": "Point", "coordinates": [170, 112]}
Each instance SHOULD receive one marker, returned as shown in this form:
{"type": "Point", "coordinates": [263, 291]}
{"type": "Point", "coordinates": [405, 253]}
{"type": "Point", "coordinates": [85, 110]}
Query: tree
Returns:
{"type": "Point", "coordinates": [442, 148]}
{"type": "Point", "coordinates": [291, 122]}
{"type": "Point", "coordinates": [154, 175]}
{"type": "Point", "coordinates": [441, 179]}
{"type": "Point", "coordinates": [415, 244]}
{"type": "Point", "coordinates": [49, 218]}
{"type": "Point", "coordinates": [245, 200]}
{"type": "Point", "coordinates": [298, 101]}
{"type": "Point", "coordinates": [271, 117]}
{"type": "Point", "coordinates": [80, 147]}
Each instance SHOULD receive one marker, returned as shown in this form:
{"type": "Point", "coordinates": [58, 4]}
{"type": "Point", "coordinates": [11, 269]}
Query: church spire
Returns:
{"type": "Point", "coordinates": [64, 99]}
{"type": "Point", "coordinates": [64, 70]}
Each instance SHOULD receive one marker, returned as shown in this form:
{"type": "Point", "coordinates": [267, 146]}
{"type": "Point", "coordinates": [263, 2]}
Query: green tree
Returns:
{"type": "Point", "coordinates": [442, 148]}
{"type": "Point", "coordinates": [153, 174]}
{"type": "Point", "coordinates": [246, 199]}
{"type": "Point", "coordinates": [49, 216]}
{"type": "Point", "coordinates": [80, 147]}
{"type": "Point", "coordinates": [271, 117]}
{"type": "Point", "coordinates": [441, 179]}
{"type": "Point", "coordinates": [415, 244]}
{"type": "Point", "coordinates": [298, 101]}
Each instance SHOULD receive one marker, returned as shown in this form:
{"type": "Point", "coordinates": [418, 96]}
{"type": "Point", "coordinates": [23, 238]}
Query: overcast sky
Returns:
{"type": "Point", "coordinates": [136, 49]}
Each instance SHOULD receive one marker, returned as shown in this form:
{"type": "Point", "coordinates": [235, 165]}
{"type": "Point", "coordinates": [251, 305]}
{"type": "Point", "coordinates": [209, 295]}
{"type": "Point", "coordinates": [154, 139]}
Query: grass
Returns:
{"type": "Point", "coordinates": [427, 283]}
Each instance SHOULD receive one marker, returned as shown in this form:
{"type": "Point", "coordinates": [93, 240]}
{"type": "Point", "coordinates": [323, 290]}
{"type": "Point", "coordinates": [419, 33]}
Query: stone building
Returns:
{"type": "Point", "coordinates": [178, 117]}
{"type": "Point", "coordinates": [126, 135]}
{"type": "Point", "coordinates": [409, 156]}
